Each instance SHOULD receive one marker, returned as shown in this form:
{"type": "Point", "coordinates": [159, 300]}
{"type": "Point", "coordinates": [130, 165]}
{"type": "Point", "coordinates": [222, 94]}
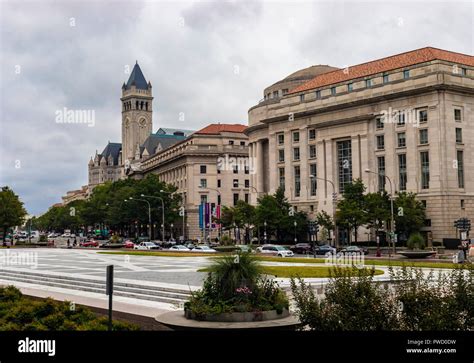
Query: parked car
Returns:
{"type": "Point", "coordinates": [203, 248]}
{"type": "Point", "coordinates": [110, 244]}
{"type": "Point", "coordinates": [275, 250]}
{"type": "Point", "coordinates": [146, 246]}
{"type": "Point", "coordinates": [323, 249]}
{"type": "Point", "coordinates": [128, 244]}
{"type": "Point", "coordinates": [180, 248]}
{"type": "Point", "coordinates": [90, 243]}
{"type": "Point", "coordinates": [66, 235]}
{"type": "Point", "coordinates": [302, 248]}
{"type": "Point", "coordinates": [190, 246]}
{"type": "Point", "coordinates": [355, 249]}
{"type": "Point", "coordinates": [243, 248]}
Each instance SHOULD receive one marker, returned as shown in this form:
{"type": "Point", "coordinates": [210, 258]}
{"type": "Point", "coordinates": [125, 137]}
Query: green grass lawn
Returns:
{"type": "Point", "coordinates": [298, 271]}
{"type": "Point", "coordinates": [310, 260]}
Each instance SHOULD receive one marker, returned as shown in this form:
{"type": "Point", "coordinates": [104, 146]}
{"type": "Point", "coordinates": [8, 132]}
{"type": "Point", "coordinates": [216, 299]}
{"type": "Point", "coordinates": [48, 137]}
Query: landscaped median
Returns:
{"type": "Point", "coordinates": [300, 271]}
{"type": "Point", "coordinates": [309, 260]}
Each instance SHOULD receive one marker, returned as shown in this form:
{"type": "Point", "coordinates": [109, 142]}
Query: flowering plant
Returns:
{"type": "Point", "coordinates": [243, 290]}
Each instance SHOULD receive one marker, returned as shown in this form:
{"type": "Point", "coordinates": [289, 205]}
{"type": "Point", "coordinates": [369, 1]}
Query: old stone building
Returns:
{"type": "Point", "coordinates": [210, 166]}
{"type": "Point", "coordinates": [408, 117]}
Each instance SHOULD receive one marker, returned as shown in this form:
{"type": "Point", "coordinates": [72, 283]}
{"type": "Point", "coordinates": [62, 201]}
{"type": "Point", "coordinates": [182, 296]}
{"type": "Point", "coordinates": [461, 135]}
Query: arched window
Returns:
{"type": "Point", "coordinates": [136, 105]}
{"type": "Point", "coordinates": [146, 106]}
{"type": "Point", "coordinates": [141, 105]}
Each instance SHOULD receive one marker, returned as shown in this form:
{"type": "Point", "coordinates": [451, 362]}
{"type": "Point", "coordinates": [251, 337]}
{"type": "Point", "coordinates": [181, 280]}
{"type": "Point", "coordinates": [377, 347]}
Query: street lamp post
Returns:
{"type": "Point", "coordinates": [162, 211]}
{"type": "Point", "coordinates": [334, 202]}
{"type": "Point", "coordinates": [265, 232]}
{"type": "Point", "coordinates": [295, 224]}
{"type": "Point", "coordinates": [392, 223]}
{"type": "Point", "coordinates": [149, 213]}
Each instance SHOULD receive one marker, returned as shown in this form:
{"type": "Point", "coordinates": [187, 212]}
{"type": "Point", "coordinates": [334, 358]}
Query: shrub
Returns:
{"type": "Point", "coordinates": [414, 301]}
{"type": "Point", "coordinates": [416, 242]}
{"type": "Point", "coordinates": [19, 313]}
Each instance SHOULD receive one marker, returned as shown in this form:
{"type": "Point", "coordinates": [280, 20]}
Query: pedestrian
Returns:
{"type": "Point", "coordinates": [465, 247]}
{"type": "Point", "coordinates": [68, 243]}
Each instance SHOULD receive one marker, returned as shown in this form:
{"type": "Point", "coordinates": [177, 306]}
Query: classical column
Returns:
{"type": "Point", "coordinates": [259, 157]}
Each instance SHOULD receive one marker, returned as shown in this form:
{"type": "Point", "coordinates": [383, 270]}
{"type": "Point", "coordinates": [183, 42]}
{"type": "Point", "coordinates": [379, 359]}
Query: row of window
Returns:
{"type": "Point", "coordinates": [235, 169]}
{"type": "Point", "coordinates": [296, 153]}
{"type": "Point", "coordinates": [422, 138]}
{"type": "Point", "coordinates": [231, 142]}
{"type": "Point", "coordinates": [235, 183]}
{"type": "Point", "coordinates": [368, 83]}
{"type": "Point", "coordinates": [296, 136]}
{"type": "Point", "coordinates": [236, 198]}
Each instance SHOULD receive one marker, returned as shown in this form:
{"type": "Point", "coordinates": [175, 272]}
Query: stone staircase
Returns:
{"type": "Point", "coordinates": [125, 289]}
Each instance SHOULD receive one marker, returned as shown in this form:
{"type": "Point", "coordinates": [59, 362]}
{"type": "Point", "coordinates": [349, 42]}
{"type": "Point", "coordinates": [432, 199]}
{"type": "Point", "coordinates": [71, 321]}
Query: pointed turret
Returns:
{"type": "Point", "coordinates": [137, 79]}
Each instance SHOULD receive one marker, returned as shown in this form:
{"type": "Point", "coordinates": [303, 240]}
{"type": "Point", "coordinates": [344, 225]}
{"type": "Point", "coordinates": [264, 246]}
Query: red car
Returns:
{"type": "Point", "coordinates": [128, 244]}
{"type": "Point", "coordinates": [90, 243]}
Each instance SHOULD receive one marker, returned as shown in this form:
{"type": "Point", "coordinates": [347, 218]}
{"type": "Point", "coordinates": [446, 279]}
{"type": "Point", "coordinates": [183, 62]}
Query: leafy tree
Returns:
{"type": "Point", "coordinates": [409, 214]}
{"type": "Point", "coordinates": [12, 212]}
{"type": "Point", "coordinates": [324, 220]}
{"type": "Point", "coordinates": [378, 209]}
{"type": "Point", "coordinates": [351, 211]}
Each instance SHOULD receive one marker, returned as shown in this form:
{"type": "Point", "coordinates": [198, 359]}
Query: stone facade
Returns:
{"type": "Point", "coordinates": [360, 111]}
{"type": "Point", "coordinates": [206, 158]}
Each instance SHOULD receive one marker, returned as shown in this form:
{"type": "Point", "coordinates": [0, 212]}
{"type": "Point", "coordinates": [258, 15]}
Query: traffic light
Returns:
{"type": "Point", "coordinates": [463, 224]}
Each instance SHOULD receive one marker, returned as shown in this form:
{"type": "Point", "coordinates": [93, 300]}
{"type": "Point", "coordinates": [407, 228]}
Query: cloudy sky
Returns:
{"type": "Point", "coordinates": [208, 60]}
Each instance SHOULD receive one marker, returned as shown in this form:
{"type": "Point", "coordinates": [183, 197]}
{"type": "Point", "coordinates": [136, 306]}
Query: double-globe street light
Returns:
{"type": "Point", "coordinates": [162, 211]}
{"type": "Point", "coordinates": [392, 232]}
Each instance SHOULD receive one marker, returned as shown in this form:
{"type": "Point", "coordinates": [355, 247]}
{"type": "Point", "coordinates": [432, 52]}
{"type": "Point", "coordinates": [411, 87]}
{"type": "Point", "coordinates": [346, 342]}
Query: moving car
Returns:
{"type": "Point", "coordinates": [128, 244]}
{"type": "Point", "coordinates": [323, 249]}
{"type": "Point", "coordinates": [355, 249]}
{"type": "Point", "coordinates": [203, 249]}
{"type": "Point", "coordinates": [146, 246]}
{"type": "Point", "coordinates": [275, 251]}
{"type": "Point", "coordinates": [90, 243]}
{"type": "Point", "coordinates": [302, 248]}
{"type": "Point", "coordinates": [243, 248]}
{"type": "Point", "coordinates": [179, 248]}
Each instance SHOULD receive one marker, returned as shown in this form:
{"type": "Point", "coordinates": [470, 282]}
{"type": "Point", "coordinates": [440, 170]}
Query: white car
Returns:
{"type": "Point", "coordinates": [179, 248]}
{"type": "Point", "coordinates": [66, 235]}
{"type": "Point", "coordinates": [203, 249]}
{"type": "Point", "coordinates": [145, 246]}
{"type": "Point", "coordinates": [275, 251]}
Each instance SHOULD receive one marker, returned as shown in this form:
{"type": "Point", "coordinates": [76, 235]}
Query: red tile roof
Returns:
{"type": "Point", "coordinates": [214, 129]}
{"type": "Point", "coordinates": [385, 64]}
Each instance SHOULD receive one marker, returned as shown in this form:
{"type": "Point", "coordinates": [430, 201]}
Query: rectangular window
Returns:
{"type": "Point", "coordinates": [296, 153]}
{"type": "Point", "coordinates": [285, 91]}
{"type": "Point", "coordinates": [247, 169]}
{"type": "Point", "coordinates": [423, 136]}
{"type": "Point", "coordinates": [236, 169]}
{"type": "Point", "coordinates": [281, 139]}
{"type": "Point", "coordinates": [349, 87]}
{"type": "Point", "coordinates": [458, 135]}
{"type": "Point", "coordinates": [203, 169]}
{"type": "Point", "coordinates": [231, 142]}
{"type": "Point", "coordinates": [402, 171]}
{"type": "Point", "coordinates": [380, 142]}
{"type": "Point", "coordinates": [242, 143]}
{"type": "Point", "coordinates": [406, 74]}
{"type": "Point", "coordinates": [463, 205]}
{"type": "Point", "coordinates": [318, 95]}
{"type": "Point", "coordinates": [344, 161]}
{"type": "Point", "coordinates": [385, 78]}
{"type": "Point", "coordinates": [401, 139]}
{"type": "Point", "coordinates": [203, 199]}
{"type": "Point", "coordinates": [246, 197]}
{"type": "Point", "coordinates": [312, 179]}
{"type": "Point", "coordinates": [235, 183]}
{"type": "Point", "coordinates": [281, 155]}
{"type": "Point", "coordinates": [247, 183]}
{"type": "Point", "coordinates": [312, 134]}
{"type": "Point", "coordinates": [333, 91]}
{"type": "Point", "coordinates": [425, 169]}
{"type": "Point", "coordinates": [457, 115]}
{"type": "Point", "coordinates": [379, 123]}
{"type": "Point", "coordinates": [296, 136]}
{"type": "Point", "coordinates": [301, 98]}
{"type": "Point", "coordinates": [381, 172]}
{"type": "Point", "coordinates": [401, 118]}
{"type": "Point", "coordinates": [368, 83]}
{"type": "Point", "coordinates": [460, 159]}
{"type": "Point", "coordinates": [236, 198]}
{"type": "Point", "coordinates": [297, 176]}
{"type": "Point", "coordinates": [423, 115]}
{"type": "Point", "coordinates": [281, 175]}
{"type": "Point", "coordinates": [312, 151]}
{"type": "Point", "coordinates": [219, 199]}
{"type": "Point", "coordinates": [218, 183]}
{"type": "Point", "coordinates": [464, 71]}
{"type": "Point", "coordinates": [203, 183]}
{"type": "Point", "coordinates": [275, 94]}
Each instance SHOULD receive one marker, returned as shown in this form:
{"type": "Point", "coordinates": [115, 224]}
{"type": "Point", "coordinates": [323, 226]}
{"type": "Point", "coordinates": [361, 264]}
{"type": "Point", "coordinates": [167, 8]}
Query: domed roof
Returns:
{"type": "Point", "coordinates": [299, 77]}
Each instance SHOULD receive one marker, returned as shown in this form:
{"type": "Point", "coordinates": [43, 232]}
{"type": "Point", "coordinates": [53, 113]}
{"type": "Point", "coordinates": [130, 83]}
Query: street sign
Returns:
{"type": "Point", "coordinates": [109, 290]}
